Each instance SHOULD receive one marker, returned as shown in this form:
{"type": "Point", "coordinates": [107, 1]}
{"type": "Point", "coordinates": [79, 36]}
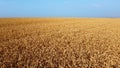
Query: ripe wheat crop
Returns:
{"type": "Point", "coordinates": [59, 43]}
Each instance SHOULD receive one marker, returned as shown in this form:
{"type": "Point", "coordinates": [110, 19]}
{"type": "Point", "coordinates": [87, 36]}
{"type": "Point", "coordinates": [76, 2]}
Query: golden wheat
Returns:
{"type": "Point", "coordinates": [59, 43]}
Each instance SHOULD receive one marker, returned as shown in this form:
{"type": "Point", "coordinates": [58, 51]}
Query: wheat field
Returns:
{"type": "Point", "coordinates": [59, 43]}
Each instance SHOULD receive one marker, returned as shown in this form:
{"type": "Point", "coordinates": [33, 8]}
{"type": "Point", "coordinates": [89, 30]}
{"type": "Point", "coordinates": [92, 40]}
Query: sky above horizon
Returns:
{"type": "Point", "coordinates": [59, 8]}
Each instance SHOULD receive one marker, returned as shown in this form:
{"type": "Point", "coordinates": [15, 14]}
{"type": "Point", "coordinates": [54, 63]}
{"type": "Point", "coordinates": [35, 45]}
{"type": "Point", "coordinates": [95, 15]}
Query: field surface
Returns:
{"type": "Point", "coordinates": [59, 43]}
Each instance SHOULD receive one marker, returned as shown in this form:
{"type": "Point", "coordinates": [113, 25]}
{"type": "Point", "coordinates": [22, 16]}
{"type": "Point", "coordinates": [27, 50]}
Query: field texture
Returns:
{"type": "Point", "coordinates": [59, 43]}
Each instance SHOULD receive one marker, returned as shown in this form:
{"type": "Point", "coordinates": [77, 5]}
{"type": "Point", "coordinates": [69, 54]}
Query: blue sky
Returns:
{"type": "Point", "coordinates": [59, 8]}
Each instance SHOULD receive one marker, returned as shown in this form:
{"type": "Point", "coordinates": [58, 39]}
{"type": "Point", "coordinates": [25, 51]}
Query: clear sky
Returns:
{"type": "Point", "coordinates": [59, 8]}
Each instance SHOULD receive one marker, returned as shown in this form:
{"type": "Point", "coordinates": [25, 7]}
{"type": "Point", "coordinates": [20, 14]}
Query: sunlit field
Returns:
{"type": "Point", "coordinates": [59, 43]}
